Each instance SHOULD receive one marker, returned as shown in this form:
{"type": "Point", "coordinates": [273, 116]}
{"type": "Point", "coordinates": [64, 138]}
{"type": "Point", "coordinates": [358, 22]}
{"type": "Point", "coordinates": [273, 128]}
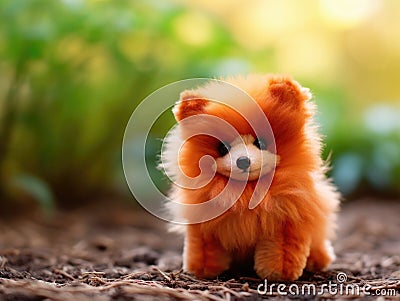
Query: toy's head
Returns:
{"type": "Point", "coordinates": [246, 133]}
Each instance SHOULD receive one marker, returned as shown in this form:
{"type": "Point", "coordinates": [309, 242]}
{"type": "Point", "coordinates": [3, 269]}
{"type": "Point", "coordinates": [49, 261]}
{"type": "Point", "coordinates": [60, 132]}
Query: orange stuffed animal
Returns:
{"type": "Point", "coordinates": [291, 228]}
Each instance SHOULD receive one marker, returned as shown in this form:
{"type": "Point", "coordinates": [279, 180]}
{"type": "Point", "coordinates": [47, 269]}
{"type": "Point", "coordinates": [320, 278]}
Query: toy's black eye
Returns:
{"type": "Point", "coordinates": [223, 148]}
{"type": "Point", "coordinates": [260, 143]}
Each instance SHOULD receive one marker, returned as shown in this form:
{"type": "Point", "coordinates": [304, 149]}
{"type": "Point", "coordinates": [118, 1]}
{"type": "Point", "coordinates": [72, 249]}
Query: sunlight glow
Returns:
{"type": "Point", "coordinates": [193, 29]}
{"type": "Point", "coordinates": [264, 22]}
{"type": "Point", "coordinates": [347, 13]}
{"type": "Point", "coordinates": [309, 55]}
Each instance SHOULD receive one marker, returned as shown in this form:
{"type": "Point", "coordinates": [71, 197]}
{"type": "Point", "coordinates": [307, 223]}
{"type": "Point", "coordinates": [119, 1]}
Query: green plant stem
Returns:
{"type": "Point", "coordinates": [7, 122]}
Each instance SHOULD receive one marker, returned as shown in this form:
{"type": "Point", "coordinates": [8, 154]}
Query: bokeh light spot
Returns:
{"type": "Point", "coordinates": [348, 172]}
{"type": "Point", "coordinates": [382, 119]}
{"type": "Point", "coordinates": [193, 29]}
{"type": "Point", "coordinates": [345, 13]}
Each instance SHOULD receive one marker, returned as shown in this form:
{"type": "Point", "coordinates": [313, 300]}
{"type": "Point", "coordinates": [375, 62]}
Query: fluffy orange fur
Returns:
{"type": "Point", "coordinates": [291, 229]}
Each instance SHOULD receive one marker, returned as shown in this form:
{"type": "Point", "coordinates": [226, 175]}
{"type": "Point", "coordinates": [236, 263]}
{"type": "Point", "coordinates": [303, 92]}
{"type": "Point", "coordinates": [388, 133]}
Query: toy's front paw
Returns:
{"type": "Point", "coordinates": [274, 273]}
{"type": "Point", "coordinates": [320, 257]}
{"type": "Point", "coordinates": [208, 269]}
{"type": "Point", "coordinates": [276, 263]}
{"type": "Point", "coordinates": [205, 258]}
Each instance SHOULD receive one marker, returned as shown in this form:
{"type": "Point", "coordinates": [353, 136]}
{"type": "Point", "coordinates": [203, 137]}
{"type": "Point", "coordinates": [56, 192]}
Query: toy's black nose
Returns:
{"type": "Point", "coordinates": [243, 162]}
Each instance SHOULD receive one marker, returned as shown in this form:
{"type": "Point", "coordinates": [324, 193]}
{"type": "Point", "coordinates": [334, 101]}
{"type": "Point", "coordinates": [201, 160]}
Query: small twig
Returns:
{"type": "Point", "coordinates": [227, 296]}
{"type": "Point", "coordinates": [65, 274]}
{"type": "Point", "coordinates": [86, 274]}
{"type": "Point", "coordinates": [162, 273]}
{"type": "Point", "coordinates": [250, 279]}
{"type": "Point", "coordinates": [156, 291]}
{"type": "Point", "coordinates": [98, 280]}
{"type": "Point", "coordinates": [3, 262]}
{"type": "Point", "coordinates": [188, 277]}
{"type": "Point", "coordinates": [134, 275]}
{"type": "Point", "coordinates": [230, 291]}
{"type": "Point", "coordinates": [175, 275]}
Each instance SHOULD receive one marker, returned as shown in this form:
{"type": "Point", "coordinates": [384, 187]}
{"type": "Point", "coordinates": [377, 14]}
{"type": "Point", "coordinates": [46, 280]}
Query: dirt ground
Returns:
{"type": "Point", "coordinates": [112, 252]}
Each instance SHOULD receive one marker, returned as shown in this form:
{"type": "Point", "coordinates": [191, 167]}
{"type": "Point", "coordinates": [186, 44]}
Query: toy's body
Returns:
{"type": "Point", "coordinates": [290, 230]}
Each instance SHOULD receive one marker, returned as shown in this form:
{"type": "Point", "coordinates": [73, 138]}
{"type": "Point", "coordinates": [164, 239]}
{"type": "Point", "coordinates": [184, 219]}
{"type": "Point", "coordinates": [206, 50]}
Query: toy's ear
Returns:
{"type": "Point", "coordinates": [288, 91]}
{"type": "Point", "coordinates": [189, 104]}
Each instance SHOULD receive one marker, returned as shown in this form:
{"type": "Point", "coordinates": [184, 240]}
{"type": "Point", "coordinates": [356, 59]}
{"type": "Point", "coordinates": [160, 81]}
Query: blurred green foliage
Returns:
{"type": "Point", "coordinates": [72, 72]}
